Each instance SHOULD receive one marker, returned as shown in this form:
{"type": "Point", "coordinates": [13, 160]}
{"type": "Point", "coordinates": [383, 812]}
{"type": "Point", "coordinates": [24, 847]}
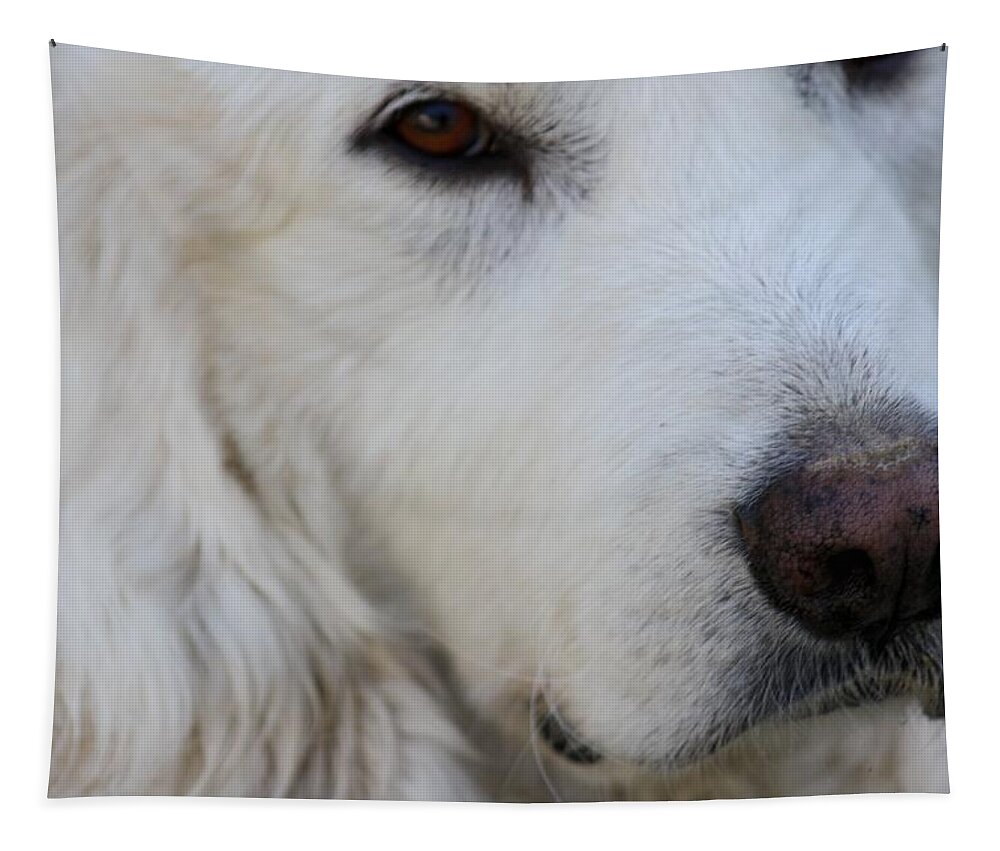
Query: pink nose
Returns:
{"type": "Point", "coordinates": [850, 544]}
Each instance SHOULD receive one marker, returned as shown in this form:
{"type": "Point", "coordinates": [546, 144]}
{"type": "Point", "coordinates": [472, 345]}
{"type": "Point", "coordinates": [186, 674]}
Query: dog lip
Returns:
{"type": "Point", "coordinates": [562, 738]}
{"type": "Point", "coordinates": [823, 702]}
{"type": "Point", "coordinates": [871, 677]}
{"type": "Point", "coordinates": [909, 665]}
{"type": "Point", "coordinates": [898, 667]}
{"type": "Point", "coordinates": [861, 691]}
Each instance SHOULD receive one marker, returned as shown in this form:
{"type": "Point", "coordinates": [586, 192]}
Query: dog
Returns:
{"type": "Point", "coordinates": [548, 441]}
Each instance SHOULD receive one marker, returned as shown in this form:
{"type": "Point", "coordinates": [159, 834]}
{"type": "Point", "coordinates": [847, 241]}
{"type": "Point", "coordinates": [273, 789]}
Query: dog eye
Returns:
{"type": "Point", "coordinates": [443, 129]}
{"type": "Point", "coordinates": [875, 73]}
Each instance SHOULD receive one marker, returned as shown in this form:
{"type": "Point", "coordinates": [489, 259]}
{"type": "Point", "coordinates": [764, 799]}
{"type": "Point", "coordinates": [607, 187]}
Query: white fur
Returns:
{"type": "Point", "coordinates": [358, 468]}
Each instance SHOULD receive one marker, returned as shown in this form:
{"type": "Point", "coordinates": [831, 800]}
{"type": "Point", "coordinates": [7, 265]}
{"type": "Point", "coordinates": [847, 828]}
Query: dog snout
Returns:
{"type": "Point", "coordinates": [849, 544]}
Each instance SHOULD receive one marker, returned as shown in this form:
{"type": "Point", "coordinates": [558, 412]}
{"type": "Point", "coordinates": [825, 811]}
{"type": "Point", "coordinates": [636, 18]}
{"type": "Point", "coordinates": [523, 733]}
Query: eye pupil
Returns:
{"type": "Point", "coordinates": [436, 117]}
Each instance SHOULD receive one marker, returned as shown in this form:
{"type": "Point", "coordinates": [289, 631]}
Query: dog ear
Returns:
{"type": "Point", "coordinates": [202, 647]}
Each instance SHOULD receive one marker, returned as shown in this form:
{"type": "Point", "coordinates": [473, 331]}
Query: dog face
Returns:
{"type": "Point", "coordinates": [540, 340]}
{"type": "Point", "coordinates": [620, 394]}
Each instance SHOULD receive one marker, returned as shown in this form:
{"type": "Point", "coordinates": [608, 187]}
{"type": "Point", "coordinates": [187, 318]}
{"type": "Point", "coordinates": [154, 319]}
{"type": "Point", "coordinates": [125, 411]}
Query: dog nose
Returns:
{"type": "Point", "coordinates": [850, 544]}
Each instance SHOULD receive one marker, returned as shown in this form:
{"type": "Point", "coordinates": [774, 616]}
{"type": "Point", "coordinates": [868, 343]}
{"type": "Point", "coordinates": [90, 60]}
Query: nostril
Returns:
{"type": "Point", "coordinates": [850, 571]}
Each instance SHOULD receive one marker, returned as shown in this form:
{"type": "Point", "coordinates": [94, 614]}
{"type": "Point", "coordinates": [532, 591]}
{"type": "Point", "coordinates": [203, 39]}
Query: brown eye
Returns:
{"type": "Point", "coordinates": [442, 128]}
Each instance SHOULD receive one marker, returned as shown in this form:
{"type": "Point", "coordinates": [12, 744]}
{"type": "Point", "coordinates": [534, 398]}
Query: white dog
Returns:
{"type": "Point", "coordinates": [530, 441]}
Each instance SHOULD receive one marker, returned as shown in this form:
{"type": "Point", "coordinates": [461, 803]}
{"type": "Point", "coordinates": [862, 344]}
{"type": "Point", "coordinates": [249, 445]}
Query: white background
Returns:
{"type": "Point", "coordinates": [500, 40]}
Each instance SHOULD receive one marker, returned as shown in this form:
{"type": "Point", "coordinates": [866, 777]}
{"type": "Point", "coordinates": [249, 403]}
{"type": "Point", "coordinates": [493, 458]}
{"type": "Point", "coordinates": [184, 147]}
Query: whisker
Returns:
{"type": "Point", "coordinates": [535, 691]}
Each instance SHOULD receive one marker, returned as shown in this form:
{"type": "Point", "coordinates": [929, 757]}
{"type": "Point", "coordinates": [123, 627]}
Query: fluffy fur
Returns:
{"type": "Point", "coordinates": [367, 465]}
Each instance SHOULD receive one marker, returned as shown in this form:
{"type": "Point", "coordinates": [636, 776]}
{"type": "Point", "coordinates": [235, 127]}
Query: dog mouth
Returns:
{"type": "Point", "coordinates": [788, 687]}
{"type": "Point", "coordinates": [563, 740]}
{"type": "Point", "coordinates": [796, 683]}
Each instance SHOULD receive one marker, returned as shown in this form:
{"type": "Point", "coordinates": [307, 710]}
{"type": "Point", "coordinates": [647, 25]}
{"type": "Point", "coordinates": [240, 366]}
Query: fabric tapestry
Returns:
{"type": "Point", "coordinates": [549, 441]}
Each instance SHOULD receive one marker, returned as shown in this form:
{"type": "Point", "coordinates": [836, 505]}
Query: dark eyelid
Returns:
{"type": "Point", "coordinates": [507, 160]}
